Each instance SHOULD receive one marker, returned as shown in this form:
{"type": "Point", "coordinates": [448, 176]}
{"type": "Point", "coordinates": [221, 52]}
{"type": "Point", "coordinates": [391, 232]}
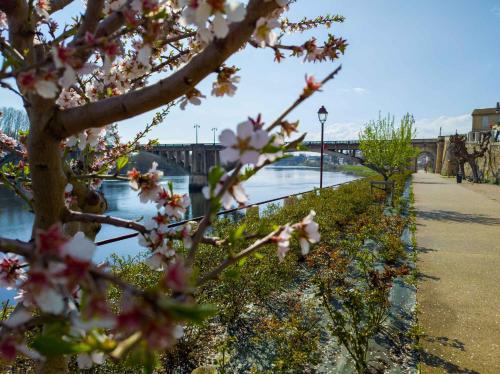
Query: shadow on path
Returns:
{"type": "Point", "coordinates": [432, 360]}
{"type": "Point", "coordinates": [422, 182]}
{"type": "Point", "coordinates": [445, 215]}
{"type": "Point", "coordinates": [422, 276]}
{"type": "Point", "coordinates": [425, 250]}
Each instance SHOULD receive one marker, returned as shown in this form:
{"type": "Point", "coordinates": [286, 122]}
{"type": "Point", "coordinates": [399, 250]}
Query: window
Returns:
{"type": "Point", "coordinates": [485, 122]}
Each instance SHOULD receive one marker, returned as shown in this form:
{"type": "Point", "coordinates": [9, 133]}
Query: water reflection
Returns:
{"type": "Point", "coordinates": [16, 222]}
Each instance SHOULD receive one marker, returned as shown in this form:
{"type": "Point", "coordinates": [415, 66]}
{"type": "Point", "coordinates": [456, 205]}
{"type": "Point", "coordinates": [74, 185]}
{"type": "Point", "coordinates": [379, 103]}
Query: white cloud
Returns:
{"type": "Point", "coordinates": [426, 128]}
{"type": "Point", "coordinates": [429, 127]}
{"type": "Point", "coordinates": [338, 131]}
{"type": "Point", "coordinates": [355, 90]}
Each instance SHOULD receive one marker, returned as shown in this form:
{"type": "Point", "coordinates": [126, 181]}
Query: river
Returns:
{"type": "Point", "coordinates": [271, 182]}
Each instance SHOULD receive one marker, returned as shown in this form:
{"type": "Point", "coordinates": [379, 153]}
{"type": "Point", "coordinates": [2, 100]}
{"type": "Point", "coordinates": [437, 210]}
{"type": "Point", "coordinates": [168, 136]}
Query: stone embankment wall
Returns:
{"type": "Point", "coordinates": [489, 165]}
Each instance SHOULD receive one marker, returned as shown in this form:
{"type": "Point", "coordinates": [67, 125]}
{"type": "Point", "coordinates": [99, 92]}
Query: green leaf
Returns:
{"type": "Point", "coordinates": [121, 162]}
{"type": "Point", "coordinates": [242, 261]}
{"type": "Point", "coordinates": [258, 255]}
{"type": "Point", "coordinates": [214, 175]}
{"type": "Point", "coordinates": [49, 345]}
{"type": "Point", "coordinates": [237, 234]}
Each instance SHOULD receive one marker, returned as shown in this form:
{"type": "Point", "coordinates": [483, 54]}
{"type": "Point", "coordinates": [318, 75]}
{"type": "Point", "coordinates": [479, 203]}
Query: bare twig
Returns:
{"type": "Point", "coordinates": [72, 216]}
{"type": "Point", "coordinates": [244, 253]}
{"type": "Point", "coordinates": [299, 101]}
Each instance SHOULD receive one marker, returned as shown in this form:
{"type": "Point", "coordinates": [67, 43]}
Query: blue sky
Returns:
{"type": "Point", "coordinates": [435, 59]}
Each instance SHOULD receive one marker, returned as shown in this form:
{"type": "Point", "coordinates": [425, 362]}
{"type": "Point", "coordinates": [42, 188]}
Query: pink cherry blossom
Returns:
{"type": "Point", "coordinates": [43, 86]}
{"type": "Point", "coordinates": [50, 241]}
{"type": "Point", "coordinates": [11, 271]}
{"type": "Point", "coordinates": [42, 8]}
{"type": "Point", "coordinates": [176, 276]}
{"type": "Point", "coordinates": [147, 184]}
{"type": "Point", "coordinates": [175, 204]}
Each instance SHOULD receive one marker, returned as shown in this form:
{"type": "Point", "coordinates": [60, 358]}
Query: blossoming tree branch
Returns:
{"type": "Point", "coordinates": [76, 81]}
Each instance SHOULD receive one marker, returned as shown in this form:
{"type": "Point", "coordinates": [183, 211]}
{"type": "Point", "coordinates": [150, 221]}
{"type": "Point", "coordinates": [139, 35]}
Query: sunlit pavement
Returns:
{"type": "Point", "coordinates": [458, 237]}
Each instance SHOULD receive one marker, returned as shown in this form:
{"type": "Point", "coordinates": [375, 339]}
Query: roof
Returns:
{"type": "Point", "coordinates": [485, 111]}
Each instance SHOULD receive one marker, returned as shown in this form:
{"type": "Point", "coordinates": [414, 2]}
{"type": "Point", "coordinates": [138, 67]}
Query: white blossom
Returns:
{"type": "Point", "coordinates": [264, 34]}
{"type": "Point", "coordinates": [86, 360]}
{"type": "Point", "coordinates": [79, 247]}
{"type": "Point", "coordinates": [243, 146]}
{"type": "Point", "coordinates": [283, 241]}
{"type": "Point", "coordinates": [308, 232]}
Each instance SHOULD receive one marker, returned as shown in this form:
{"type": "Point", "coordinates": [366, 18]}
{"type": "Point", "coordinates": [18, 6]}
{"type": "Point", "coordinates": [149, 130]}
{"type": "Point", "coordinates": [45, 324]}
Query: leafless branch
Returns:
{"type": "Point", "coordinates": [71, 216]}
{"type": "Point", "coordinates": [244, 253]}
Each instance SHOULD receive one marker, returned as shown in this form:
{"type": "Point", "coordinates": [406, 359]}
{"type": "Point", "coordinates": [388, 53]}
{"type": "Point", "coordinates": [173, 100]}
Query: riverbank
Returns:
{"type": "Point", "coordinates": [270, 315]}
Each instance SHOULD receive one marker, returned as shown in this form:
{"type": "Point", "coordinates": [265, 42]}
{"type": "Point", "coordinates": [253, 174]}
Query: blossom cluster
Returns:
{"type": "Point", "coordinates": [160, 236]}
{"type": "Point", "coordinates": [53, 280]}
{"type": "Point", "coordinates": [9, 144]}
{"type": "Point", "coordinates": [307, 232]}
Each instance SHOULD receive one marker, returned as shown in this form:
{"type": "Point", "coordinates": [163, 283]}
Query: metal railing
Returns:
{"type": "Point", "coordinates": [223, 212]}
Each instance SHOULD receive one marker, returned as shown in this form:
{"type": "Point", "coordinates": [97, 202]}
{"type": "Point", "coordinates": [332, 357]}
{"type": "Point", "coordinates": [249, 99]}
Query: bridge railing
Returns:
{"type": "Point", "coordinates": [221, 213]}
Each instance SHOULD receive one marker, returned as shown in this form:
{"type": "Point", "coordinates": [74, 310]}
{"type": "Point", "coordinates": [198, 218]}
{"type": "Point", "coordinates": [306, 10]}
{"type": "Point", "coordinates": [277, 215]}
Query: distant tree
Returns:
{"type": "Point", "coordinates": [12, 121]}
{"type": "Point", "coordinates": [463, 155]}
{"type": "Point", "coordinates": [386, 147]}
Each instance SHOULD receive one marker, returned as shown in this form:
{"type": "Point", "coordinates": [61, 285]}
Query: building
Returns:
{"type": "Point", "coordinates": [483, 120]}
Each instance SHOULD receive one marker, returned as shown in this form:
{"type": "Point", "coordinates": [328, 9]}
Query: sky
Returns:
{"type": "Point", "coordinates": [438, 60]}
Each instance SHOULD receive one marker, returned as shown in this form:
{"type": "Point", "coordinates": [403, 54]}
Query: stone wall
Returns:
{"type": "Point", "coordinates": [449, 163]}
{"type": "Point", "coordinates": [489, 165]}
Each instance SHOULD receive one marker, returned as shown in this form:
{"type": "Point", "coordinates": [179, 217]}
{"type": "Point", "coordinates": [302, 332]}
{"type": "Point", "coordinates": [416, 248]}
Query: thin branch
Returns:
{"type": "Point", "coordinates": [56, 5]}
{"type": "Point", "coordinates": [100, 176]}
{"type": "Point", "coordinates": [90, 19]}
{"type": "Point", "coordinates": [72, 216]}
{"type": "Point", "coordinates": [207, 219]}
{"type": "Point", "coordinates": [17, 190]}
{"type": "Point", "coordinates": [301, 99]}
{"type": "Point", "coordinates": [244, 253]}
{"type": "Point", "coordinates": [16, 246]}
{"type": "Point", "coordinates": [97, 114]}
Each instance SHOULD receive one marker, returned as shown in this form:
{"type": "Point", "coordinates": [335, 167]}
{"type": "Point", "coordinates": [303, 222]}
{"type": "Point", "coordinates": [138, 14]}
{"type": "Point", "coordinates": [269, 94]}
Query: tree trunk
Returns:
{"type": "Point", "coordinates": [461, 167]}
{"type": "Point", "coordinates": [48, 182]}
{"type": "Point", "coordinates": [475, 171]}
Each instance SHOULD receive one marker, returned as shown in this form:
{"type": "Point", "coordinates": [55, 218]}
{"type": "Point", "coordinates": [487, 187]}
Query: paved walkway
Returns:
{"type": "Point", "coordinates": [458, 235]}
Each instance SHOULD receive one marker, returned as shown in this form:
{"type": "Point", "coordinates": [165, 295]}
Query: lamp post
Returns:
{"type": "Point", "coordinates": [214, 129]}
{"type": "Point", "coordinates": [196, 127]}
{"type": "Point", "coordinates": [322, 116]}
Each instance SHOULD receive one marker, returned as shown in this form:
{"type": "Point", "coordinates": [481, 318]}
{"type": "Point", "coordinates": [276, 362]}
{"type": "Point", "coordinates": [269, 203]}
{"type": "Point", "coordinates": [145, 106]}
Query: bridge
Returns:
{"type": "Point", "coordinates": [197, 159]}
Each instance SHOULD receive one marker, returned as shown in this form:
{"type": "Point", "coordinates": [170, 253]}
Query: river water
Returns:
{"type": "Point", "coordinates": [271, 182]}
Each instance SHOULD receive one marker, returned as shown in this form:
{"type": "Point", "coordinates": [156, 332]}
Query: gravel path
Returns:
{"type": "Point", "coordinates": [458, 235]}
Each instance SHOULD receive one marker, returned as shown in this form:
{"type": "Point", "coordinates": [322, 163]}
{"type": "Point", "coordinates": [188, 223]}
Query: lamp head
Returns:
{"type": "Point", "coordinates": [322, 114]}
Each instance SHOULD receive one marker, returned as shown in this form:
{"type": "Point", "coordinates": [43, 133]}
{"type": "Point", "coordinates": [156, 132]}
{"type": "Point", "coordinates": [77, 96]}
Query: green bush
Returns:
{"type": "Point", "coordinates": [260, 319]}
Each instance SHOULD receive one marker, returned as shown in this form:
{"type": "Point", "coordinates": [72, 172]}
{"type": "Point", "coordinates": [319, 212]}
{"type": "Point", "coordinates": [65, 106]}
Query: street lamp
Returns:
{"type": "Point", "coordinates": [196, 127]}
{"type": "Point", "coordinates": [214, 129]}
{"type": "Point", "coordinates": [322, 116]}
